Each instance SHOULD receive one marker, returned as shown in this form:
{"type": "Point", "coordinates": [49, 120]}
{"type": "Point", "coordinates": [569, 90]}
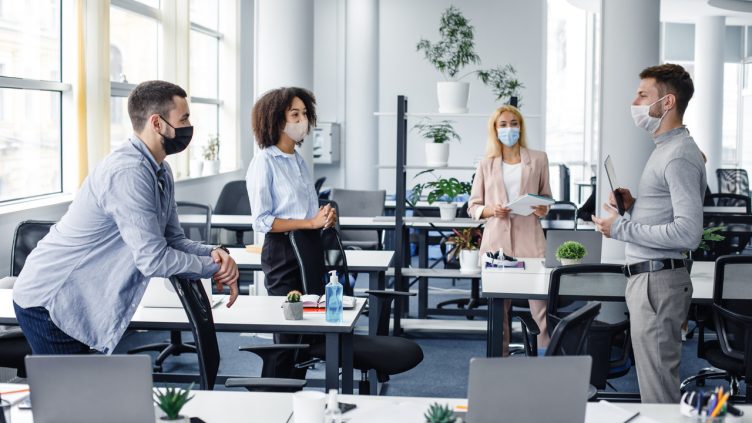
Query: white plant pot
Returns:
{"type": "Point", "coordinates": [452, 96]}
{"type": "Point", "coordinates": [197, 167]}
{"type": "Point", "coordinates": [447, 211]}
{"type": "Point", "coordinates": [180, 419]}
{"type": "Point", "coordinates": [437, 154]}
{"type": "Point", "coordinates": [567, 262]}
{"type": "Point", "coordinates": [211, 167]}
{"type": "Point", "coordinates": [469, 262]}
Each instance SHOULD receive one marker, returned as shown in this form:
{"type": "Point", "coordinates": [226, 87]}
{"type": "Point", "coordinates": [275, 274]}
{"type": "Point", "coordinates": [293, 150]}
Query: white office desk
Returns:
{"type": "Point", "coordinates": [249, 314]}
{"type": "Point", "coordinates": [532, 283]}
{"type": "Point", "coordinates": [236, 406]}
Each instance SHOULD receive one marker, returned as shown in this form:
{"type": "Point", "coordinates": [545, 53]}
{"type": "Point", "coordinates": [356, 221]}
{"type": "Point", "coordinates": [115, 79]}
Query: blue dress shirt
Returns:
{"type": "Point", "coordinates": [122, 228]}
{"type": "Point", "coordinates": [279, 187]}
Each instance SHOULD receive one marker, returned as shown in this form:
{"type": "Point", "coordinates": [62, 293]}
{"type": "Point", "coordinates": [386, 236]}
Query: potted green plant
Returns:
{"type": "Point", "coordinates": [438, 413]}
{"type": "Point", "coordinates": [441, 189]}
{"type": "Point", "coordinates": [293, 308]}
{"type": "Point", "coordinates": [211, 155]}
{"type": "Point", "coordinates": [438, 135]}
{"type": "Point", "coordinates": [454, 51]}
{"type": "Point", "coordinates": [465, 245]}
{"type": "Point", "coordinates": [570, 252]}
{"type": "Point", "coordinates": [709, 236]}
{"type": "Point", "coordinates": [171, 400]}
{"type": "Point", "coordinates": [503, 82]}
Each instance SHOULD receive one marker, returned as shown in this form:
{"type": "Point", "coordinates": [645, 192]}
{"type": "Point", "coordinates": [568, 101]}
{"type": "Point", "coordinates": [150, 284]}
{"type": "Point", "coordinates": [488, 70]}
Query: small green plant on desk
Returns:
{"type": "Point", "coordinates": [438, 413]}
{"type": "Point", "coordinates": [465, 239]}
{"type": "Point", "coordinates": [171, 401]}
{"type": "Point", "coordinates": [570, 252]}
{"type": "Point", "coordinates": [293, 308]}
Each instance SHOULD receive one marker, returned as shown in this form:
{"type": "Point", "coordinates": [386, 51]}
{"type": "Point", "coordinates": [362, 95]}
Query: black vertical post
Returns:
{"type": "Point", "coordinates": [564, 183]}
{"type": "Point", "coordinates": [402, 241]}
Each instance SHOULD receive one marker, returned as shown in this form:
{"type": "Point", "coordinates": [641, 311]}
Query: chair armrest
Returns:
{"type": "Point", "coordinates": [10, 332]}
{"type": "Point", "coordinates": [527, 322]}
{"type": "Point", "coordinates": [273, 347]}
{"type": "Point", "coordinates": [393, 294]}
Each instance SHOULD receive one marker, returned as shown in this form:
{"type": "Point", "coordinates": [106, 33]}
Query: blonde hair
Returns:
{"type": "Point", "coordinates": [493, 146]}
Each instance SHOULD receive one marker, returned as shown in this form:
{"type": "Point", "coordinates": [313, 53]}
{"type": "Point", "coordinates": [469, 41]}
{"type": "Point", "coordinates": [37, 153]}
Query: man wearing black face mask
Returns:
{"type": "Point", "coordinates": [80, 287]}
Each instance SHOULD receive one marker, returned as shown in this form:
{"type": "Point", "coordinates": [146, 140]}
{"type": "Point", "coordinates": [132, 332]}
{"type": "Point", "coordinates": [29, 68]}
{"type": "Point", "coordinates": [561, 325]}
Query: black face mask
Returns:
{"type": "Point", "coordinates": [181, 140]}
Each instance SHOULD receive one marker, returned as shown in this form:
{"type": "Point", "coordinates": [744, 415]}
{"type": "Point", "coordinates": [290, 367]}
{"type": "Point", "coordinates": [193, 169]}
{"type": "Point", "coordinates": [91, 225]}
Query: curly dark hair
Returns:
{"type": "Point", "coordinates": [672, 79]}
{"type": "Point", "coordinates": [152, 97]}
{"type": "Point", "coordinates": [268, 115]}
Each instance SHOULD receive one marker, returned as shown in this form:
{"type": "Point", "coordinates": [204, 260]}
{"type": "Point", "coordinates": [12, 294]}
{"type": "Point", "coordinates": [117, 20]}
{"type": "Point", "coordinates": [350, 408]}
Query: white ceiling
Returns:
{"type": "Point", "coordinates": [689, 10]}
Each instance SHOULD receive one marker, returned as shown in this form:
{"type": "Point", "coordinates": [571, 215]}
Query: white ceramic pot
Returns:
{"type": "Point", "coordinates": [567, 262]}
{"type": "Point", "coordinates": [452, 96]}
{"type": "Point", "coordinates": [211, 167]}
{"type": "Point", "coordinates": [292, 311]}
{"type": "Point", "coordinates": [180, 419]}
{"type": "Point", "coordinates": [197, 167]}
{"type": "Point", "coordinates": [469, 262]}
{"type": "Point", "coordinates": [437, 154]}
{"type": "Point", "coordinates": [447, 211]}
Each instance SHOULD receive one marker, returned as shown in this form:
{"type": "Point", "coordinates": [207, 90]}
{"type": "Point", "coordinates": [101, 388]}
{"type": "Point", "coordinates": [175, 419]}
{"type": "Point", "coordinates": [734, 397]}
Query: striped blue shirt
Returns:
{"type": "Point", "coordinates": [122, 228]}
{"type": "Point", "coordinates": [279, 187]}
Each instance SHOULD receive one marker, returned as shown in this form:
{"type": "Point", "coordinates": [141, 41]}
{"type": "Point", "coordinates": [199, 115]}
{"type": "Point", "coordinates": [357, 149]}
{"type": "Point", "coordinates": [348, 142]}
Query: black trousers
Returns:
{"type": "Point", "coordinates": [282, 275]}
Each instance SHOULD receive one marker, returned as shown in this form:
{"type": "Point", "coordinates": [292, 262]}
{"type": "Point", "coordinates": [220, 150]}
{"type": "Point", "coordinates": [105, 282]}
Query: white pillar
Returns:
{"type": "Point", "coordinates": [626, 52]}
{"type": "Point", "coordinates": [284, 50]}
{"type": "Point", "coordinates": [706, 125]}
{"type": "Point", "coordinates": [361, 94]}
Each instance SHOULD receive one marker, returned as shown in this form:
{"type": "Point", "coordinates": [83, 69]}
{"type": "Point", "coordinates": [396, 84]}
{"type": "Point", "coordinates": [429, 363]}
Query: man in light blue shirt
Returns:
{"type": "Point", "coordinates": [81, 285]}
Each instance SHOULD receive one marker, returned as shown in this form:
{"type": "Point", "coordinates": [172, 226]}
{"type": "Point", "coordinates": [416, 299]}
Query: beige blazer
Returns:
{"type": "Point", "coordinates": [519, 236]}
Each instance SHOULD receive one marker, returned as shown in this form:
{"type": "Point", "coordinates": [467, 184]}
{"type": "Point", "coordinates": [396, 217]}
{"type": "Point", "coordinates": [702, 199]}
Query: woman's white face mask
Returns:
{"type": "Point", "coordinates": [297, 131]}
{"type": "Point", "coordinates": [642, 119]}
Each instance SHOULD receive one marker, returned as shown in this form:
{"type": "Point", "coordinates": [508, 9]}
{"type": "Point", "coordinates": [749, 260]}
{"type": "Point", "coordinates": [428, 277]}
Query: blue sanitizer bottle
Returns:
{"type": "Point", "coordinates": [333, 299]}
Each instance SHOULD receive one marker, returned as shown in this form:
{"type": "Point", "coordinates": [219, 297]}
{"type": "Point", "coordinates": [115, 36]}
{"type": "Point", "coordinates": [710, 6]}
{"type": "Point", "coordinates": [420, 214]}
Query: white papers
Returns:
{"type": "Point", "coordinates": [604, 411]}
{"type": "Point", "coordinates": [523, 205]}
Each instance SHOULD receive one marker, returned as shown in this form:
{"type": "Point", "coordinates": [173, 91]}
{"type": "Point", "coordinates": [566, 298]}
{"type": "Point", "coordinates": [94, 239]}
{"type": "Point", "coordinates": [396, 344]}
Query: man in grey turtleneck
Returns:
{"type": "Point", "coordinates": [663, 223]}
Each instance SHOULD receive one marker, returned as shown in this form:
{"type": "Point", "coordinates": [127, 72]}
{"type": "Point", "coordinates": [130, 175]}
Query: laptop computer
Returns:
{"type": "Point", "coordinates": [90, 388]}
{"type": "Point", "coordinates": [161, 294]}
{"type": "Point", "coordinates": [528, 389]}
{"type": "Point", "coordinates": [592, 240]}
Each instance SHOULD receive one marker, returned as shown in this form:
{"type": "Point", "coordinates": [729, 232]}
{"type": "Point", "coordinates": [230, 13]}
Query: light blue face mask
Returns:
{"type": "Point", "coordinates": [508, 136]}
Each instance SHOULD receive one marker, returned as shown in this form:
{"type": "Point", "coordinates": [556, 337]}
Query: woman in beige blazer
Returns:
{"type": "Point", "coordinates": [510, 170]}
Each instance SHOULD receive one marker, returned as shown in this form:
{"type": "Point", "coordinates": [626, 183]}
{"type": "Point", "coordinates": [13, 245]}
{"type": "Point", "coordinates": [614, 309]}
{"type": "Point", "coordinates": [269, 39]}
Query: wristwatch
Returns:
{"type": "Point", "coordinates": [221, 247]}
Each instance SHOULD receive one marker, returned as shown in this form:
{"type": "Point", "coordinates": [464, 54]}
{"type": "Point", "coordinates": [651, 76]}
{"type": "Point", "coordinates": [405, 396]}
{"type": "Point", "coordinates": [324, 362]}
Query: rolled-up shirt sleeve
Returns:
{"type": "Point", "coordinates": [259, 180]}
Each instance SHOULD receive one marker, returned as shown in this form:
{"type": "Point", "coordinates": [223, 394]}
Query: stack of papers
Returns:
{"type": "Point", "coordinates": [523, 206]}
{"type": "Point", "coordinates": [604, 411]}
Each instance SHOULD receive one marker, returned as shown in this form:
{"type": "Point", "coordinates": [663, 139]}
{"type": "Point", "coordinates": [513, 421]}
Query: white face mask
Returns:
{"type": "Point", "coordinates": [642, 119]}
{"type": "Point", "coordinates": [508, 136]}
{"type": "Point", "coordinates": [296, 131]}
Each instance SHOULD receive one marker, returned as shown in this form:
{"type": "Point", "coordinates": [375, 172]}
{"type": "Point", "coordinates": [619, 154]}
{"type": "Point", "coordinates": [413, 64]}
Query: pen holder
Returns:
{"type": "Point", "coordinates": [703, 419]}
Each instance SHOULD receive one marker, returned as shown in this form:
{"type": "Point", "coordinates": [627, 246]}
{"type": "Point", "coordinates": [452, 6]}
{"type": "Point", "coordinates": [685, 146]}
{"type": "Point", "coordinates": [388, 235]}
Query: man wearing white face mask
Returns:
{"type": "Point", "coordinates": [663, 222]}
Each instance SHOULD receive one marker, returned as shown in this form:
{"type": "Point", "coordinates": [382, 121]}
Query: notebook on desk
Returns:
{"type": "Point", "coordinates": [312, 301]}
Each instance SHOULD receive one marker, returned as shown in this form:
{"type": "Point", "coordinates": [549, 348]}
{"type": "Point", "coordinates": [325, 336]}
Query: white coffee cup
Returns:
{"type": "Point", "coordinates": [308, 406]}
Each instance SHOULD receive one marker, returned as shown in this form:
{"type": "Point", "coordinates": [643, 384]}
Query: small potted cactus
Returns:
{"type": "Point", "coordinates": [570, 252]}
{"type": "Point", "coordinates": [438, 413]}
{"type": "Point", "coordinates": [293, 308]}
{"type": "Point", "coordinates": [171, 401]}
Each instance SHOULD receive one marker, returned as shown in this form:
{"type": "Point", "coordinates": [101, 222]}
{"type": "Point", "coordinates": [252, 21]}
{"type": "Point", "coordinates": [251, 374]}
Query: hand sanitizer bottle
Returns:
{"type": "Point", "coordinates": [333, 299]}
{"type": "Point", "coordinates": [332, 413]}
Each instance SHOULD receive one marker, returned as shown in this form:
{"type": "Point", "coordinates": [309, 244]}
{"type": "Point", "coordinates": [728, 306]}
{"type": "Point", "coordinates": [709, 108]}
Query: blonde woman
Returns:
{"type": "Point", "coordinates": [510, 170]}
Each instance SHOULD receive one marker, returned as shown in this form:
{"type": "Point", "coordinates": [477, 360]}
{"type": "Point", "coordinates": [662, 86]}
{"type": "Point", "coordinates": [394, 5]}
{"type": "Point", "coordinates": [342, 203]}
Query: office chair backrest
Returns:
{"type": "Point", "coordinates": [732, 304]}
{"type": "Point", "coordinates": [27, 236]}
{"type": "Point", "coordinates": [563, 211]}
{"type": "Point", "coordinates": [730, 200]}
{"type": "Point", "coordinates": [318, 184]}
{"type": "Point", "coordinates": [733, 181]}
{"type": "Point", "coordinates": [309, 251]}
{"type": "Point", "coordinates": [196, 231]}
{"type": "Point", "coordinates": [233, 199]}
{"type": "Point", "coordinates": [198, 309]}
{"type": "Point", "coordinates": [357, 203]}
{"type": "Point", "coordinates": [335, 258]}
{"type": "Point", "coordinates": [568, 337]}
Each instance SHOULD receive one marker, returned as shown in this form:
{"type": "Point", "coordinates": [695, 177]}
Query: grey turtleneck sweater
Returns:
{"type": "Point", "coordinates": [666, 219]}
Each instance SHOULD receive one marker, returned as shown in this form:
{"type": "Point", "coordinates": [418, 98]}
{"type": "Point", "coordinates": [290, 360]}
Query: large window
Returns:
{"type": "Point", "coordinates": [31, 91]}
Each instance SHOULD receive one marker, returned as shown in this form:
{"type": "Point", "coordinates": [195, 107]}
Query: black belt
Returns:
{"type": "Point", "coordinates": [653, 266]}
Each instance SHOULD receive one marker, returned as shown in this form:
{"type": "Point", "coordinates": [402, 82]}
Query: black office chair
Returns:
{"type": "Point", "coordinates": [731, 352]}
{"type": "Point", "coordinates": [728, 200]}
{"type": "Point", "coordinates": [564, 213]}
{"type": "Point", "coordinates": [196, 231]}
{"type": "Point", "coordinates": [198, 309]}
{"type": "Point", "coordinates": [318, 184]}
{"type": "Point", "coordinates": [570, 334]}
{"type": "Point", "coordinates": [387, 355]}
{"type": "Point", "coordinates": [733, 181]}
{"type": "Point", "coordinates": [13, 345]}
{"type": "Point", "coordinates": [233, 199]}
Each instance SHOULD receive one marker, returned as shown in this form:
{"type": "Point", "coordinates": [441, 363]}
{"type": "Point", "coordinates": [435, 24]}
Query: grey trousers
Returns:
{"type": "Point", "coordinates": [658, 303]}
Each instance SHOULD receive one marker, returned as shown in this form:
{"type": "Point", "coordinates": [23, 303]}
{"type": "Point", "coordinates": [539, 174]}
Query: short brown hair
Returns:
{"type": "Point", "coordinates": [672, 79]}
{"type": "Point", "coordinates": [152, 97]}
{"type": "Point", "coordinates": [268, 116]}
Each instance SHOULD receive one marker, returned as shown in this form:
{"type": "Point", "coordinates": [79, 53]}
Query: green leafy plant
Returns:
{"type": "Point", "coordinates": [503, 82]}
{"type": "Point", "coordinates": [439, 132]}
{"type": "Point", "coordinates": [438, 413]}
{"type": "Point", "coordinates": [293, 296]}
{"type": "Point", "coordinates": [572, 250]}
{"type": "Point", "coordinates": [711, 235]}
{"type": "Point", "coordinates": [211, 149]}
{"type": "Point", "coordinates": [465, 239]}
{"type": "Point", "coordinates": [172, 400]}
{"type": "Point", "coordinates": [456, 48]}
{"type": "Point", "coordinates": [441, 188]}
